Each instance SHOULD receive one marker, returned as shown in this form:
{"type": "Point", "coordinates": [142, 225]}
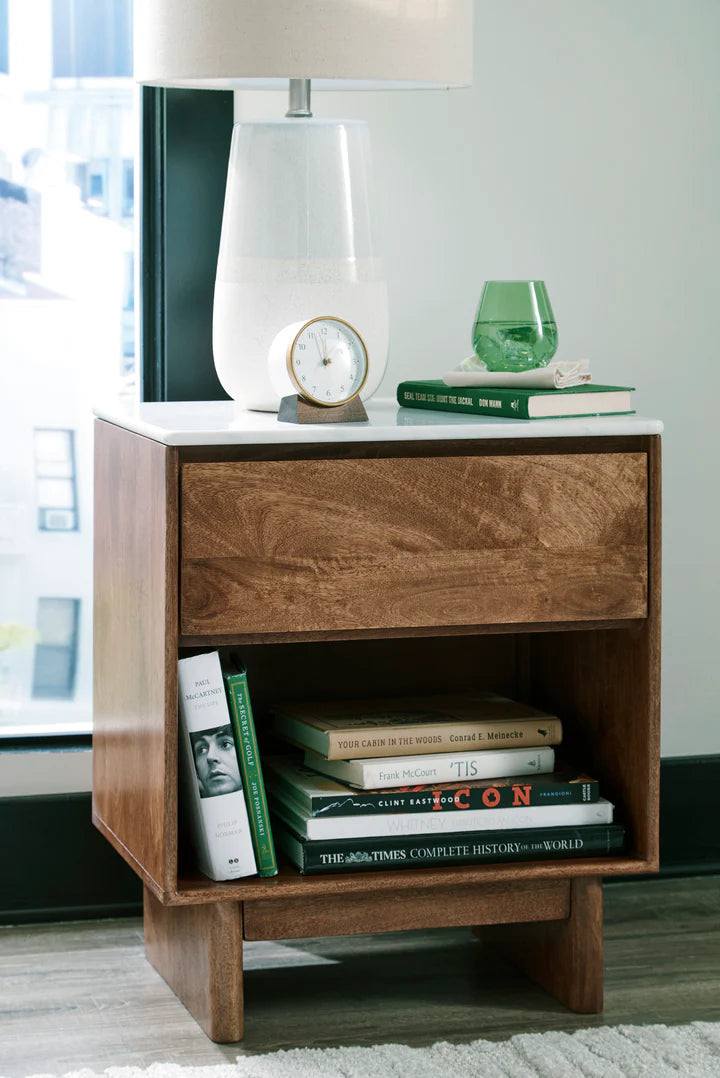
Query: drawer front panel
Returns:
{"type": "Point", "coordinates": [306, 546]}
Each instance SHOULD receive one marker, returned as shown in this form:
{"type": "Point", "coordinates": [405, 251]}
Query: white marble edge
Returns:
{"type": "Point", "coordinates": [226, 423]}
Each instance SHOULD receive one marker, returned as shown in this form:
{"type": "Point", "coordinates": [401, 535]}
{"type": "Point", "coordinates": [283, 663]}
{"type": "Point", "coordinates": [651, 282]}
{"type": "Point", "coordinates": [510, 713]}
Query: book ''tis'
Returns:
{"type": "Point", "coordinates": [383, 772]}
{"type": "Point", "coordinates": [399, 726]}
{"type": "Point", "coordinates": [213, 797]}
{"type": "Point", "coordinates": [515, 403]}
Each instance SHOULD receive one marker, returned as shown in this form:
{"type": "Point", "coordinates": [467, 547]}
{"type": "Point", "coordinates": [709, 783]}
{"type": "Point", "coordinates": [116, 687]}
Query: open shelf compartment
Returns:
{"type": "Point", "coordinates": [589, 677]}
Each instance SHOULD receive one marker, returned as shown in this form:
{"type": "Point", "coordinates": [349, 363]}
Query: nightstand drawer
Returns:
{"type": "Point", "coordinates": [313, 545]}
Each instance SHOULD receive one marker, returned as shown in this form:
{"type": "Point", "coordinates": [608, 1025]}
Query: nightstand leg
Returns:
{"type": "Point", "coordinates": [565, 957]}
{"type": "Point", "coordinates": [198, 951]}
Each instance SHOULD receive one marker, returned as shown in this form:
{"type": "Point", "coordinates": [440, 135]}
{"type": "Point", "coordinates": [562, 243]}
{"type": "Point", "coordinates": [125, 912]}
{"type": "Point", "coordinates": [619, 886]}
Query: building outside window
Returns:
{"type": "Point", "coordinates": [68, 134]}
{"type": "Point", "coordinates": [97, 195]}
{"type": "Point", "coordinates": [128, 191]}
{"type": "Point", "coordinates": [91, 39]}
{"type": "Point", "coordinates": [4, 67]}
{"type": "Point", "coordinates": [56, 650]}
{"type": "Point", "coordinates": [55, 480]}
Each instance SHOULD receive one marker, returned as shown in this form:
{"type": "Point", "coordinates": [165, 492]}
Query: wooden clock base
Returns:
{"type": "Point", "coordinates": [295, 409]}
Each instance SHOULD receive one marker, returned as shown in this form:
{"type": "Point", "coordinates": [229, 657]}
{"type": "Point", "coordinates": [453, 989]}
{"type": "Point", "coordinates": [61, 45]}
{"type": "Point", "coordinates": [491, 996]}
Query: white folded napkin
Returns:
{"type": "Point", "coordinates": [557, 375]}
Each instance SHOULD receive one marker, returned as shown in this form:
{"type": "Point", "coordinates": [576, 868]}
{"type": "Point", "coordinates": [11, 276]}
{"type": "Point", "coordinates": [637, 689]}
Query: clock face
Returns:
{"type": "Point", "coordinates": [327, 361]}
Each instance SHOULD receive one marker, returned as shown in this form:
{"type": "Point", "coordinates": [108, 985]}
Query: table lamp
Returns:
{"type": "Point", "coordinates": [299, 235]}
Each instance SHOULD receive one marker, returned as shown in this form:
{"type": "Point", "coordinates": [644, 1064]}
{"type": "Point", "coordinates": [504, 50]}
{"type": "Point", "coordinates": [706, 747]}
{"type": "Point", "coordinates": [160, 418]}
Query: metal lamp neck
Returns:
{"type": "Point", "coordinates": [299, 98]}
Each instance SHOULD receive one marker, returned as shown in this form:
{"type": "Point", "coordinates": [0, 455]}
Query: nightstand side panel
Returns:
{"type": "Point", "coordinates": [135, 651]}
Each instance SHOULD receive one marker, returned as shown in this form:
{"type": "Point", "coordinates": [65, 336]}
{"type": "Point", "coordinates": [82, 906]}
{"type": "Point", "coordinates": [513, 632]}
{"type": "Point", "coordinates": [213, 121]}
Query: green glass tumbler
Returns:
{"type": "Point", "coordinates": [514, 326]}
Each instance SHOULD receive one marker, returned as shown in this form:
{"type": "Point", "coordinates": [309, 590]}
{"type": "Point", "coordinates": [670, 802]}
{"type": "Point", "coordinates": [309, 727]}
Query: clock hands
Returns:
{"type": "Point", "coordinates": [322, 349]}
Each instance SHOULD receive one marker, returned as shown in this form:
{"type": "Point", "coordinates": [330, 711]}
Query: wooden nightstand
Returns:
{"type": "Point", "coordinates": [419, 552]}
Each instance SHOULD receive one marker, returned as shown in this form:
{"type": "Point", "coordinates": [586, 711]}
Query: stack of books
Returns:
{"type": "Point", "coordinates": [435, 780]}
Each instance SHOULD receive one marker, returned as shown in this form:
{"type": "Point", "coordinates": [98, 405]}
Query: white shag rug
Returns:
{"type": "Point", "coordinates": [658, 1051]}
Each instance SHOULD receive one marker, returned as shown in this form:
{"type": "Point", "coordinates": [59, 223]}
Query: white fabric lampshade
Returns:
{"type": "Point", "coordinates": [339, 44]}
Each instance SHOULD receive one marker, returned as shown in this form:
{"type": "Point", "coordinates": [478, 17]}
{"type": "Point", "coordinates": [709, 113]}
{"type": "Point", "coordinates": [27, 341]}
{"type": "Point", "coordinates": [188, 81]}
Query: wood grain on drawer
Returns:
{"type": "Point", "coordinates": [301, 546]}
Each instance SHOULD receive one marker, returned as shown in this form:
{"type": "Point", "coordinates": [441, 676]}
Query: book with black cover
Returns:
{"type": "Point", "coordinates": [314, 857]}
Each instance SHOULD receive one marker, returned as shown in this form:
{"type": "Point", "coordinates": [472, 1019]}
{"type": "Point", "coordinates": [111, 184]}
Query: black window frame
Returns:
{"type": "Point", "coordinates": [184, 149]}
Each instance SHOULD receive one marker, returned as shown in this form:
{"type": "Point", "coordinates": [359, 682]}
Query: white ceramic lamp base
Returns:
{"type": "Point", "coordinates": [297, 243]}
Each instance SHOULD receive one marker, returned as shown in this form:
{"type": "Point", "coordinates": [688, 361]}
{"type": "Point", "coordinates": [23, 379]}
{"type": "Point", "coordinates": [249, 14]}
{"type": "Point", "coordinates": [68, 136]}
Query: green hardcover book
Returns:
{"type": "Point", "coordinates": [459, 848]}
{"type": "Point", "coordinates": [236, 687]}
{"type": "Point", "coordinates": [585, 400]}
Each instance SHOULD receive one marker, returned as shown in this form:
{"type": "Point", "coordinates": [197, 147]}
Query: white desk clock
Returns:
{"type": "Point", "coordinates": [318, 368]}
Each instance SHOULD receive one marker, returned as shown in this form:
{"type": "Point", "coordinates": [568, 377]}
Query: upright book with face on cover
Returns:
{"type": "Point", "coordinates": [415, 725]}
{"type": "Point", "coordinates": [213, 802]}
{"type": "Point", "coordinates": [516, 403]}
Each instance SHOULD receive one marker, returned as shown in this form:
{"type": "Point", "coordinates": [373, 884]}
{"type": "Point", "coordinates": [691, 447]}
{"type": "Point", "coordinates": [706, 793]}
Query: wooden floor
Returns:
{"type": "Point", "coordinates": [82, 995]}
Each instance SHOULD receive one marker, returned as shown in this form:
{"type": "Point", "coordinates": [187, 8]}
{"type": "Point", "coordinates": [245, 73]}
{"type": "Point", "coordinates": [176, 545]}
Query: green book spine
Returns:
{"type": "Point", "coordinates": [516, 403]}
{"type": "Point", "coordinates": [250, 767]}
{"type": "Point", "coordinates": [479, 401]}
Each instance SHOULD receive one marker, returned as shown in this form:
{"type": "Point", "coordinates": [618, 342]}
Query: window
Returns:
{"type": "Point", "coordinates": [55, 480]}
{"type": "Point", "coordinates": [128, 188]}
{"type": "Point", "coordinates": [129, 309]}
{"type": "Point", "coordinates": [56, 650]}
{"type": "Point", "coordinates": [92, 38]}
{"type": "Point", "coordinates": [67, 334]}
{"type": "Point", "coordinates": [129, 289]}
{"type": "Point", "coordinates": [98, 186]}
{"type": "Point", "coordinates": [4, 37]}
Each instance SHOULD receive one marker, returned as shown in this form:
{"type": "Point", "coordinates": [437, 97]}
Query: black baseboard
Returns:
{"type": "Point", "coordinates": [57, 867]}
{"type": "Point", "coordinates": [689, 836]}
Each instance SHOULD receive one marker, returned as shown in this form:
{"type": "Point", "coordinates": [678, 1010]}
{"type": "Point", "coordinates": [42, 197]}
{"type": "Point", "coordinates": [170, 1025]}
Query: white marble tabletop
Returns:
{"type": "Point", "coordinates": [226, 423]}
